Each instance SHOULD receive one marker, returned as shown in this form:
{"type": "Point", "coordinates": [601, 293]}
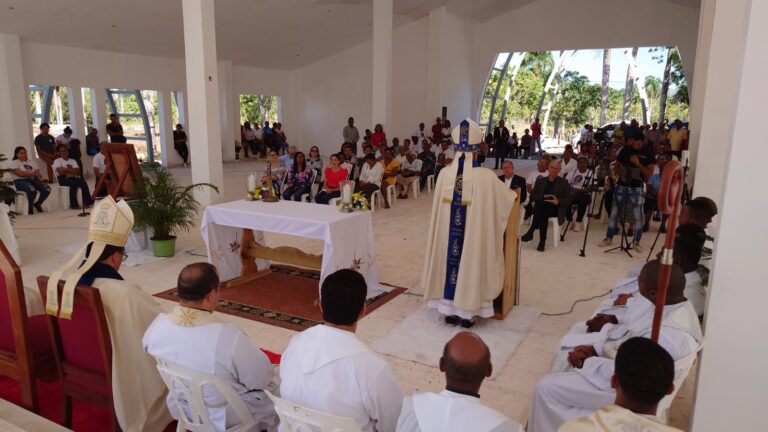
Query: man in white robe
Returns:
{"type": "Point", "coordinates": [644, 375]}
{"type": "Point", "coordinates": [466, 362]}
{"type": "Point", "coordinates": [138, 391]}
{"type": "Point", "coordinates": [559, 397]}
{"type": "Point", "coordinates": [464, 266]}
{"type": "Point", "coordinates": [327, 368]}
{"type": "Point", "coordinates": [192, 337]}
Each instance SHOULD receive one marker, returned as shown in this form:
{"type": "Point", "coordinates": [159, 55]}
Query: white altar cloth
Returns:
{"type": "Point", "coordinates": [348, 237]}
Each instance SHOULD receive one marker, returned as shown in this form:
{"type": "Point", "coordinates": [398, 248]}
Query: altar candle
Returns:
{"type": "Point", "coordinates": [251, 182]}
{"type": "Point", "coordinates": [346, 193]}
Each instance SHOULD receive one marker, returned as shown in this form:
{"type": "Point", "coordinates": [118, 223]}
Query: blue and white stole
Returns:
{"type": "Point", "coordinates": [455, 234]}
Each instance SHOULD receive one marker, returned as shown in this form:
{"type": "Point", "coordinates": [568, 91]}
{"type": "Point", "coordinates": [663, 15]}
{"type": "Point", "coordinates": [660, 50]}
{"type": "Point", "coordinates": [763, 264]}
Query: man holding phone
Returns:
{"type": "Point", "coordinates": [551, 197]}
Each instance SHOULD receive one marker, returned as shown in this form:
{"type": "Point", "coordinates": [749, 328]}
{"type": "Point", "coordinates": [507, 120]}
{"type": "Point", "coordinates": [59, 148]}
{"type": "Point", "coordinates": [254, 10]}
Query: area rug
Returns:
{"type": "Point", "coordinates": [423, 334]}
{"type": "Point", "coordinates": [284, 298]}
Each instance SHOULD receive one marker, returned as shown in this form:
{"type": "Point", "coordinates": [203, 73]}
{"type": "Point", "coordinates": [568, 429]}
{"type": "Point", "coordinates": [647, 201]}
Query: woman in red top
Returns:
{"type": "Point", "coordinates": [378, 137]}
{"type": "Point", "coordinates": [333, 175]}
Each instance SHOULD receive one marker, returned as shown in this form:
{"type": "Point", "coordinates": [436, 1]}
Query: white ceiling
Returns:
{"type": "Point", "coordinates": [275, 34]}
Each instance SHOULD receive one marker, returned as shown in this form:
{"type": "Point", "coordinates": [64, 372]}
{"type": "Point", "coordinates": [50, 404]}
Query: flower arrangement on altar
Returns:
{"type": "Point", "coordinates": [359, 202]}
{"type": "Point", "coordinates": [256, 190]}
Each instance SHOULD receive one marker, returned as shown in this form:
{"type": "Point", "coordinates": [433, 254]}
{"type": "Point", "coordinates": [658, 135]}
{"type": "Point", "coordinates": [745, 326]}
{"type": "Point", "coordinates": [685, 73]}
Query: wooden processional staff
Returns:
{"type": "Point", "coordinates": [670, 192]}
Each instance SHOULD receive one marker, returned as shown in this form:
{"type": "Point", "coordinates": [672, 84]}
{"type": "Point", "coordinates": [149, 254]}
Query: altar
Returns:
{"type": "Point", "coordinates": [233, 233]}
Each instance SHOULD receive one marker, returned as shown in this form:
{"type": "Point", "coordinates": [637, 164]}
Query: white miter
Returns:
{"type": "Point", "coordinates": [474, 138]}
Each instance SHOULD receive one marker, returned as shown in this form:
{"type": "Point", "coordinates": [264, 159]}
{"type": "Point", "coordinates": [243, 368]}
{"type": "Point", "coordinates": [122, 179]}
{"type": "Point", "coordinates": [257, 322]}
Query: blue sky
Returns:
{"type": "Point", "coordinates": [590, 64]}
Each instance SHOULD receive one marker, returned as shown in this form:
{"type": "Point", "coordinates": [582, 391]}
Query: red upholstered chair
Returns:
{"type": "Point", "coordinates": [25, 345]}
{"type": "Point", "coordinates": [83, 351]}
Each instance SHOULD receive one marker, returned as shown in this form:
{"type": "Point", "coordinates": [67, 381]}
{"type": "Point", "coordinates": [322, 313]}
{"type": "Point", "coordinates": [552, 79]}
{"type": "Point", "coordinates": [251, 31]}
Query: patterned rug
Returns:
{"type": "Point", "coordinates": [285, 298]}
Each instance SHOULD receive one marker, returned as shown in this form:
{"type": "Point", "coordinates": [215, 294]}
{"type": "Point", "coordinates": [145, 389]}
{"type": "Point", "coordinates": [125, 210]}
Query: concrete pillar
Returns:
{"type": "Point", "coordinates": [732, 385]}
{"type": "Point", "coordinates": [203, 95]}
{"type": "Point", "coordinates": [76, 113]}
{"type": "Point", "coordinates": [98, 108]}
{"type": "Point", "coordinates": [168, 155]}
{"type": "Point", "coordinates": [181, 109]}
{"type": "Point", "coordinates": [382, 61]}
{"type": "Point", "coordinates": [435, 22]}
{"type": "Point", "coordinates": [15, 118]}
{"type": "Point", "coordinates": [713, 109]}
{"type": "Point", "coordinates": [230, 113]}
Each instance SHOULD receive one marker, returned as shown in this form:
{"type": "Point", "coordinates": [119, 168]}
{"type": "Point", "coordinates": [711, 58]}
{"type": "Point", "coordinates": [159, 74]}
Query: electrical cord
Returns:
{"type": "Point", "coordinates": [575, 303]}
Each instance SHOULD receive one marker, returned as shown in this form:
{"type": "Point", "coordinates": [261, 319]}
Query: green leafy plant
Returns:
{"type": "Point", "coordinates": [164, 205]}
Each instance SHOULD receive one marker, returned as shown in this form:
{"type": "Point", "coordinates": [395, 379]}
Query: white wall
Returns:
{"type": "Point", "coordinates": [548, 25]}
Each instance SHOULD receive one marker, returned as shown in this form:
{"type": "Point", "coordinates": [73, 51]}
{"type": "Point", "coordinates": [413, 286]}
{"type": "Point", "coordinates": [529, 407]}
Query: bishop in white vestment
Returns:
{"type": "Point", "coordinates": [464, 266]}
{"type": "Point", "coordinates": [559, 397]}
{"type": "Point", "coordinates": [138, 391]}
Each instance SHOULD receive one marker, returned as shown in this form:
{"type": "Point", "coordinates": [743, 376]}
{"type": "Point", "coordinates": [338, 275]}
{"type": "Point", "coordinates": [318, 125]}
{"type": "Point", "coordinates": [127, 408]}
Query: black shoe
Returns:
{"type": "Point", "coordinates": [467, 323]}
{"type": "Point", "coordinates": [646, 228]}
{"type": "Point", "coordinates": [452, 319]}
{"type": "Point", "coordinates": [630, 232]}
{"type": "Point", "coordinates": [540, 247]}
{"type": "Point", "coordinates": [39, 208]}
{"type": "Point", "coordinates": [527, 237]}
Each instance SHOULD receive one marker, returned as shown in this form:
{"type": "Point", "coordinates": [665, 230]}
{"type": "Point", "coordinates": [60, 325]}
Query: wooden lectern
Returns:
{"type": "Point", "coordinates": [508, 297]}
{"type": "Point", "coordinates": [121, 173]}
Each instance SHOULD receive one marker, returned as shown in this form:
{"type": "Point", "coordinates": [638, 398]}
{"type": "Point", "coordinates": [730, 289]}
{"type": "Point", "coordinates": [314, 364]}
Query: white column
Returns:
{"type": "Point", "coordinates": [732, 387]}
{"type": "Point", "coordinates": [76, 113]}
{"type": "Point", "coordinates": [98, 108]}
{"type": "Point", "coordinates": [226, 108]}
{"type": "Point", "coordinates": [715, 93]}
{"type": "Point", "coordinates": [181, 109]}
{"type": "Point", "coordinates": [168, 155]}
{"type": "Point", "coordinates": [203, 95]}
{"type": "Point", "coordinates": [15, 119]}
{"type": "Point", "coordinates": [382, 61]}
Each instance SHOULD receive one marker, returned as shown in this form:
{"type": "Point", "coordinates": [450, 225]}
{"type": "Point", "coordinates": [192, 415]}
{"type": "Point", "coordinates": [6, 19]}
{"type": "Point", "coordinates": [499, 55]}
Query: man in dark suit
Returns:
{"type": "Point", "coordinates": [500, 140]}
{"type": "Point", "coordinates": [514, 182]}
{"type": "Point", "coordinates": [551, 197]}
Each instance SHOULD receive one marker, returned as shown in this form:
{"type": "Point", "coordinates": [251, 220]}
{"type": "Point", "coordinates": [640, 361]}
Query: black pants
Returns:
{"type": "Point", "coordinates": [182, 149]}
{"type": "Point", "coordinates": [423, 178]}
{"type": "Point", "coordinates": [367, 190]}
{"type": "Point", "coordinates": [542, 211]}
{"type": "Point", "coordinates": [608, 201]}
{"type": "Point", "coordinates": [582, 201]}
{"type": "Point", "coordinates": [500, 154]}
{"type": "Point", "coordinates": [74, 184]}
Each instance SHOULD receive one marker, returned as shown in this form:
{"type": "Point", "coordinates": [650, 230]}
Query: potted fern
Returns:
{"type": "Point", "coordinates": [164, 206]}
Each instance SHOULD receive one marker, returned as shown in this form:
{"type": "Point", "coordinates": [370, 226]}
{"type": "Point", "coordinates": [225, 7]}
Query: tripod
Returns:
{"type": "Point", "coordinates": [624, 244]}
{"type": "Point", "coordinates": [684, 197]}
{"type": "Point", "coordinates": [586, 186]}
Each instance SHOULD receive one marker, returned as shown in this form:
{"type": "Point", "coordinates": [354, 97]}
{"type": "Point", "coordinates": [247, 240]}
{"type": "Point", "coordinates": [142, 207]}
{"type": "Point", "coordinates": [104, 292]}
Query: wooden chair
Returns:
{"type": "Point", "coordinates": [25, 346]}
{"type": "Point", "coordinates": [83, 352]}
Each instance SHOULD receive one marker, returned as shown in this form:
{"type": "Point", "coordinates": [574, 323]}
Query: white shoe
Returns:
{"type": "Point", "coordinates": [637, 248]}
{"type": "Point", "coordinates": [577, 226]}
{"type": "Point", "coordinates": [605, 243]}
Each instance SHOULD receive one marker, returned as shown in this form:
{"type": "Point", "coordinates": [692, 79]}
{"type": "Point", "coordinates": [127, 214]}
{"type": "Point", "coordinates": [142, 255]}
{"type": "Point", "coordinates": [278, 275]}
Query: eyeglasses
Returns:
{"type": "Point", "coordinates": [125, 255]}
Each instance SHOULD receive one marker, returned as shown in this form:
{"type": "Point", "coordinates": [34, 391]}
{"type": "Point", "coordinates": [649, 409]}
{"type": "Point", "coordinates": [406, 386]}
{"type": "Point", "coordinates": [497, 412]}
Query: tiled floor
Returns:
{"type": "Point", "coordinates": [550, 281]}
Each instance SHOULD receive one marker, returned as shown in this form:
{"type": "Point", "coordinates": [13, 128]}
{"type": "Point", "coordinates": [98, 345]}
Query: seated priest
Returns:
{"type": "Point", "coordinates": [138, 391]}
{"type": "Point", "coordinates": [327, 368]}
{"type": "Point", "coordinates": [464, 266]}
{"type": "Point", "coordinates": [466, 362]}
{"type": "Point", "coordinates": [559, 397]}
{"type": "Point", "coordinates": [192, 337]}
{"type": "Point", "coordinates": [644, 374]}
{"type": "Point", "coordinates": [551, 197]}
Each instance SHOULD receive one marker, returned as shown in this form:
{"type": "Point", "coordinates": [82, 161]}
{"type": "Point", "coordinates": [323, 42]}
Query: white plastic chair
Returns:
{"type": "Point", "coordinates": [307, 197]}
{"type": "Point", "coordinates": [391, 194]}
{"type": "Point", "coordinates": [62, 194]}
{"type": "Point", "coordinates": [186, 388]}
{"type": "Point", "coordinates": [430, 183]}
{"type": "Point", "coordinates": [374, 196]}
{"type": "Point", "coordinates": [297, 418]}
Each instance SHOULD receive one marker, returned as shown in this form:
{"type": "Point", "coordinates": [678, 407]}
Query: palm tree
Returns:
{"type": "Point", "coordinates": [604, 91]}
{"type": "Point", "coordinates": [630, 86]}
{"type": "Point", "coordinates": [665, 86]}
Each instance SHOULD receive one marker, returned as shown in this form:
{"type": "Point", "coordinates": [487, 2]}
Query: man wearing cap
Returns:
{"type": "Point", "coordinates": [464, 266]}
{"type": "Point", "coordinates": [138, 390]}
{"type": "Point", "coordinates": [192, 337]}
{"type": "Point", "coordinates": [636, 165]}
{"type": "Point", "coordinates": [45, 145]}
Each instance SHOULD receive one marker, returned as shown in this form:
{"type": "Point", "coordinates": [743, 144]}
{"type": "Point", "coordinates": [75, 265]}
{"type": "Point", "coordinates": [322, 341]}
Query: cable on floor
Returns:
{"type": "Point", "coordinates": [575, 303]}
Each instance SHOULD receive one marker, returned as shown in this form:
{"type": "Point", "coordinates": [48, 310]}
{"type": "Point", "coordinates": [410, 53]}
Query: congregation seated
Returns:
{"type": "Point", "coordinates": [99, 168]}
{"type": "Point", "coordinates": [391, 170]}
{"type": "Point", "coordinates": [277, 170]}
{"type": "Point", "coordinates": [298, 181]}
{"type": "Point", "coordinates": [542, 166]}
{"type": "Point", "coordinates": [367, 150]}
{"type": "Point", "coordinates": [315, 162]}
{"type": "Point", "coordinates": [332, 175]}
{"type": "Point", "coordinates": [513, 181]}
{"type": "Point", "coordinates": [327, 368]}
{"type": "Point", "coordinates": [466, 362]}
{"type": "Point", "coordinates": [580, 192]}
{"type": "Point", "coordinates": [569, 163]}
{"type": "Point", "coordinates": [287, 158]}
{"type": "Point", "coordinates": [193, 338]}
{"type": "Point", "coordinates": [551, 197]}
{"type": "Point", "coordinates": [644, 374]}
{"type": "Point", "coordinates": [585, 387]}
{"type": "Point", "coordinates": [370, 177]}
{"type": "Point", "coordinates": [428, 162]}
{"type": "Point", "coordinates": [69, 174]}
{"type": "Point", "coordinates": [348, 157]}
{"type": "Point", "coordinates": [28, 179]}
{"type": "Point", "coordinates": [410, 171]}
